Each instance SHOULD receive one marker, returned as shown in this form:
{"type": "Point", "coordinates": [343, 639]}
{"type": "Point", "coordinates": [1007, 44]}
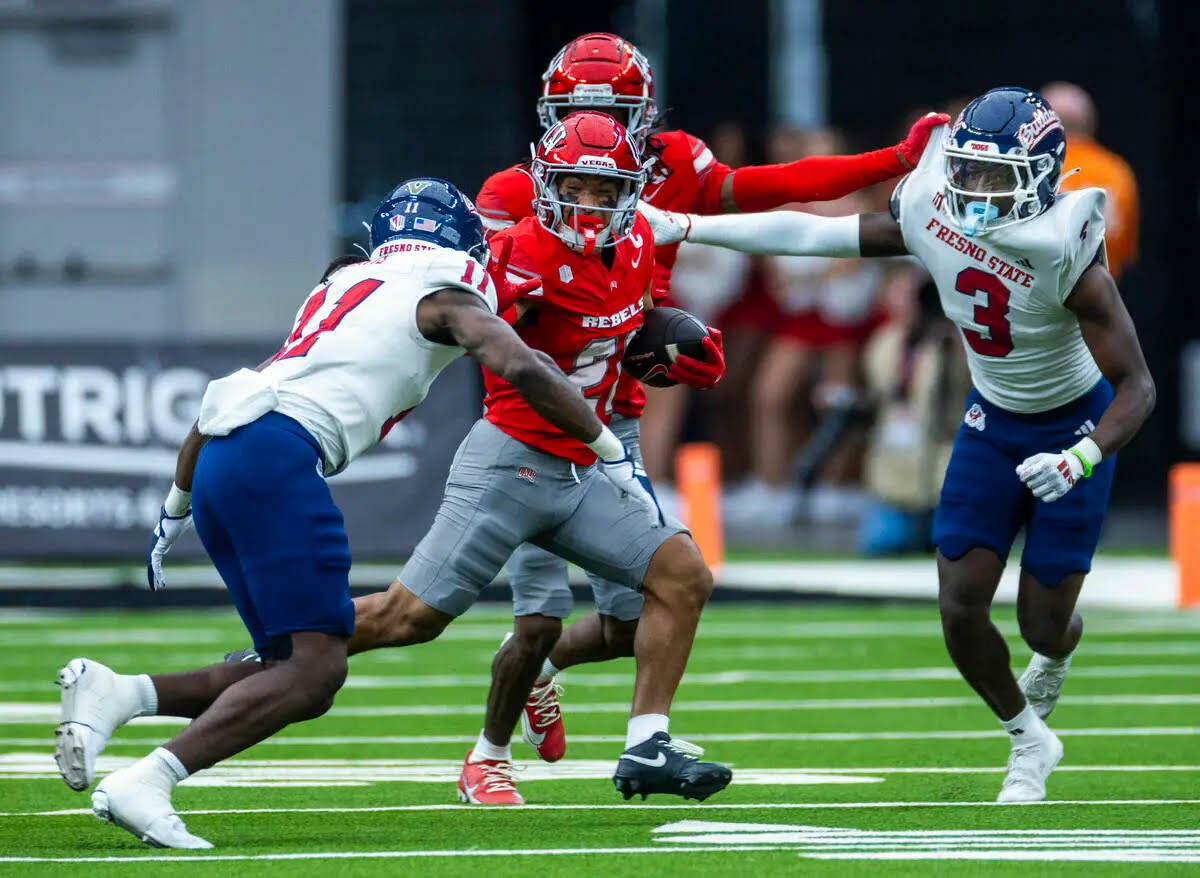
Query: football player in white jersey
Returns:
{"type": "Point", "coordinates": [1060, 384]}
{"type": "Point", "coordinates": [365, 347]}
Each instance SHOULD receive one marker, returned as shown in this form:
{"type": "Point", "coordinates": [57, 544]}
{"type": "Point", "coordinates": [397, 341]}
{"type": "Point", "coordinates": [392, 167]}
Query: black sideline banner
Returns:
{"type": "Point", "coordinates": [89, 434]}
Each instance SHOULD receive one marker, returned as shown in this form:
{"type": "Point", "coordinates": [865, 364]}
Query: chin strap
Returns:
{"type": "Point", "coordinates": [1065, 177]}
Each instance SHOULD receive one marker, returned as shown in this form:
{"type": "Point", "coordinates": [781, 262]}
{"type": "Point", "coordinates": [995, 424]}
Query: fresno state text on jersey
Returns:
{"type": "Point", "coordinates": [1006, 290]}
{"type": "Point", "coordinates": [583, 315]}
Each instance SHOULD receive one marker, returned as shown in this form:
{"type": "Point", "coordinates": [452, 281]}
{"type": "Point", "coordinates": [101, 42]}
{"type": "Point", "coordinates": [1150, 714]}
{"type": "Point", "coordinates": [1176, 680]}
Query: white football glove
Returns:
{"type": "Point", "coordinates": [668, 227]}
{"type": "Point", "coordinates": [1051, 476]}
{"type": "Point", "coordinates": [170, 528]}
{"type": "Point", "coordinates": [628, 477]}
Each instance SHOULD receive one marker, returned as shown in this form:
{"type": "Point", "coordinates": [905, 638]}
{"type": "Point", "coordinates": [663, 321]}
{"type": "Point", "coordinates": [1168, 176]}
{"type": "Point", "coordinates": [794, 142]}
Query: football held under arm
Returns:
{"type": "Point", "coordinates": [454, 316]}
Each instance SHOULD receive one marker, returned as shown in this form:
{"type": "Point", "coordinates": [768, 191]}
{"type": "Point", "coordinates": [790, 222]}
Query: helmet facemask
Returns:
{"type": "Point", "coordinates": [576, 84]}
{"type": "Point", "coordinates": [986, 190]}
{"type": "Point", "coordinates": [636, 113]}
{"type": "Point", "coordinates": [585, 228]}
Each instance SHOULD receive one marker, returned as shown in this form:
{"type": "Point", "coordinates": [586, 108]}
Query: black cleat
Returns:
{"type": "Point", "coordinates": [661, 765]}
{"type": "Point", "coordinates": [243, 655]}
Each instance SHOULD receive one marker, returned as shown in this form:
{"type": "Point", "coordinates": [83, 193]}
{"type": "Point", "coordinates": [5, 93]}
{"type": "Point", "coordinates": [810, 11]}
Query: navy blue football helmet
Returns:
{"type": "Point", "coordinates": [1004, 158]}
{"type": "Point", "coordinates": [432, 210]}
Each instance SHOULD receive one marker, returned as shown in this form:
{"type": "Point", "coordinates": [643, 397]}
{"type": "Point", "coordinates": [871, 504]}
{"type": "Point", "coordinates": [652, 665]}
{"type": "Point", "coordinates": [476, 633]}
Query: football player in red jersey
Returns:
{"type": "Point", "coordinates": [606, 73]}
{"type": "Point", "coordinates": [517, 479]}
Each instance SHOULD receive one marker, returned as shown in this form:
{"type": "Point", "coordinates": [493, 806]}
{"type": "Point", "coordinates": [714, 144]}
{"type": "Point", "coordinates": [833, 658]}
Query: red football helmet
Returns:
{"type": "Point", "coordinates": [587, 144]}
{"type": "Point", "coordinates": [599, 71]}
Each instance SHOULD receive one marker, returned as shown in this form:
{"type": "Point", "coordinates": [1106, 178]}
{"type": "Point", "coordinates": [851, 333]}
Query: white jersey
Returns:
{"type": "Point", "coordinates": [355, 361]}
{"type": "Point", "coordinates": [1005, 290]}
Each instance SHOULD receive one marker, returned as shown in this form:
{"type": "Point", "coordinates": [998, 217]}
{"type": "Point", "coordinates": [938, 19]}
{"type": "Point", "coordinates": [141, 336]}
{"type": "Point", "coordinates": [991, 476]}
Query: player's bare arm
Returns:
{"type": "Point", "coordinates": [1110, 335]}
{"type": "Point", "coordinates": [175, 516]}
{"type": "Point", "coordinates": [457, 317]}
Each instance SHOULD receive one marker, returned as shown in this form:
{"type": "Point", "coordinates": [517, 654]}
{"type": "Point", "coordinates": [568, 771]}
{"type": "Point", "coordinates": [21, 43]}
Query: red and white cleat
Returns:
{"type": "Point", "coordinates": [541, 722]}
{"type": "Point", "coordinates": [488, 782]}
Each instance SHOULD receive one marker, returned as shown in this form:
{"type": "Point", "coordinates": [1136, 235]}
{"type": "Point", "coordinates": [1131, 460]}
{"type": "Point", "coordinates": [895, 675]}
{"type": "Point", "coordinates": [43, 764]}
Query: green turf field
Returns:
{"type": "Point", "coordinates": [852, 740]}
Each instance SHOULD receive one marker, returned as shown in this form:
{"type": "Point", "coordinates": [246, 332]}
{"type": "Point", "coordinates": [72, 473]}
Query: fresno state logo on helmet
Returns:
{"type": "Point", "coordinates": [601, 71]}
{"type": "Point", "coordinates": [1043, 122]}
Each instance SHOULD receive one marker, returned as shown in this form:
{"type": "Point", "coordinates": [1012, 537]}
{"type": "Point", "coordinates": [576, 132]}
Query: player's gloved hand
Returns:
{"type": "Point", "coordinates": [626, 474]}
{"type": "Point", "coordinates": [701, 374]}
{"type": "Point", "coordinates": [668, 227]}
{"type": "Point", "coordinates": [507, 292]}
{"type": "Point", "coordinates": [174, 518]}
{"type": "Point", "coordinates": [1051, 476]}
{"type": "Point", "coordinates": [911, 147]}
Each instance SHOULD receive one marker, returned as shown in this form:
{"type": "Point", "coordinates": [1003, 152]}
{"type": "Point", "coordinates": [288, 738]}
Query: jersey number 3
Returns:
{"type": "Point", "coordinates": [993, 316]}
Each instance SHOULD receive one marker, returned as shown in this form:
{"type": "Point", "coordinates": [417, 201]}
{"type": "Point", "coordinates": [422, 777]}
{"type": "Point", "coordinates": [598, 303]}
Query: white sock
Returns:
{"type": "Point", "coordinates": [1053, 665]}
{"type": "Point", "coordinates": [642, 728]}
{"type": "Point", "coordinates": [485, 749]}
{"type": "Point", "coordinates": [163, 769]}
{"type": "Point", "coordinates": [549, 672]}
{"type": "Point", "coordinates": [1026, 727]}
{"type": "Point", "coordinates": [147, 695]}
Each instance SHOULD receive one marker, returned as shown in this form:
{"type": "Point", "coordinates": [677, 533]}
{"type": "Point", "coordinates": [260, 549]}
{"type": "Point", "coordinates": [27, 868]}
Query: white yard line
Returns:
{"type": "Point", "coordinates": [39, 712]}
{"type": "Point", "coordinates": [715, 738]}
{"type": "Point", "coordinates": [647, 806]}
{"type": "Point", "coordinates": [732, 677]}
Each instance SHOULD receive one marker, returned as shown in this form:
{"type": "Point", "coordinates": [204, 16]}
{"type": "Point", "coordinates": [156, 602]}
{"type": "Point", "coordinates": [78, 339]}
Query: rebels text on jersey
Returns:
{"type": "Point", "coordinates": [583, 315]}
{"type": "Point", "coordinates": [1006, 290]}
{"type": "Point", "coordinates": [683, 175]}
{"type": "Point", "coordinates": [355, 361]}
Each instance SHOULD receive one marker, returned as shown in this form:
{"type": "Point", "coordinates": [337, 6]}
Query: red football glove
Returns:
{"type": "Point", "coordinates": [910, 148]}
{"type": "Point", "coordinates": [702, 374]}
{"type": "Point", "coordinates": [507, 292]}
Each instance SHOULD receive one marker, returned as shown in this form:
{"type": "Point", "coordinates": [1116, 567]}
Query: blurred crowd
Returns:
{"type": "Point", "coordinates": [845, 382]}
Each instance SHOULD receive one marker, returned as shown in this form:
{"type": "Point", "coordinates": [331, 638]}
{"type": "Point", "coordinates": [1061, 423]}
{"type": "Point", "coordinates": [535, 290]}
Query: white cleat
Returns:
{"type": "Point", "coordinates": [95, 702]}
{"type": "Point", "coordinates": [1041, 684]}
{"type": "Point", "coordinates": [1028, 768]}
{"type": "Point", "coordinates": [126, 800]}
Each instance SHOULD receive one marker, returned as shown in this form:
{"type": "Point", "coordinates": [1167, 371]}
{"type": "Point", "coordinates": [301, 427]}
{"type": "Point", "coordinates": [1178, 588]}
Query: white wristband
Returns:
{"type": "Point", "coordinates": [178, 502]}
{"type": "Point", "coordinates": [1089, 449]}
{"type": "Point", "coordinates": [607, 446]}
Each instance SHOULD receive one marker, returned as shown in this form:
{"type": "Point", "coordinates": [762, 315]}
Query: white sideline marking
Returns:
{"type": "Point", "coordinates": [716, 678]}
{"type": "Point", "coordinates": [1144, 647]}
{"type": "Point", "coordinates": [324, 772]}
{"type": "Point", "coordinates": [39, 712]}
{"type": "Point", "coordinates": [1132, 855]}
{"type": "Point", "coordinates": [846, 843]}
{"type": "Point", "coordinates": [707, 806]}
{"type": "Point", "coordinates": [380, 855]}
{"type": "Point", "coordinates": [716, 738]}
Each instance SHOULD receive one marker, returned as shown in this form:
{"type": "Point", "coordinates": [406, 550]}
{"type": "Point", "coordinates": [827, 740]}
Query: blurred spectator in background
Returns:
{"type": "Point", "coordinates": [916, 378]}
{"type": "Point", "coordinates": [705, 281]}
{"type": "Point", "coordinates": [809, 372]}
{"type": "Point", "coordinates": [1098, 167]}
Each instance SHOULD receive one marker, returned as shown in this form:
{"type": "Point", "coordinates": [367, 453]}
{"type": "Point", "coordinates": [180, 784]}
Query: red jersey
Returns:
{"type": "Point", "coordinates": [585, 316]}
{"type": "Point", "coordinates": [683, 175]}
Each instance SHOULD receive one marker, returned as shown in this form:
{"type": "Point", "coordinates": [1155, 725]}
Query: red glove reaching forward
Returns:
{"type": "Point", "coordinates": [910, 148]}
{"type": "Point", "coordinates": [827, 178]}
{"type": "Point", "coordinates": [702, 374]}
{"type": "Point", "coordinates": [507, 292]}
